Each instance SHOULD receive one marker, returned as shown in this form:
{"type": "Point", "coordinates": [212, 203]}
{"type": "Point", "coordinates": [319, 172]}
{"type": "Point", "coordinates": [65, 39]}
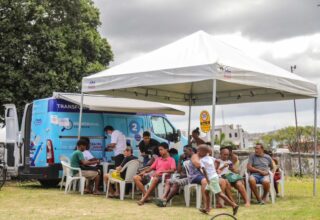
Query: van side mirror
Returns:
{"type": "Point", "coordinates": [179, 133]}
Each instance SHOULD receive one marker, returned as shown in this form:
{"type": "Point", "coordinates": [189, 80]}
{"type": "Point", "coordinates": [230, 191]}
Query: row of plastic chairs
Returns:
{"type": "Point", "coordinates": [132, 167]}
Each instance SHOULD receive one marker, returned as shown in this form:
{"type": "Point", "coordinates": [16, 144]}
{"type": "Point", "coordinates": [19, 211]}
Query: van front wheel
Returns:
{"type": "Point", "coordinates": [49, 183]}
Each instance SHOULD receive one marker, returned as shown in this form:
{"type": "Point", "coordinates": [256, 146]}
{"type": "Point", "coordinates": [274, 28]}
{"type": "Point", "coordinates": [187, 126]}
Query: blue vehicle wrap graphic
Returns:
{"type": "Point", "coordinates": [58, 120]}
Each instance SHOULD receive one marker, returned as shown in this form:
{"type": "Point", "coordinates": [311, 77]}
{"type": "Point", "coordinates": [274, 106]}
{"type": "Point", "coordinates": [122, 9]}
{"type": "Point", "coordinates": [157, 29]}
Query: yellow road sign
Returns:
{"type": "Point", "coordinates": [205, 121]}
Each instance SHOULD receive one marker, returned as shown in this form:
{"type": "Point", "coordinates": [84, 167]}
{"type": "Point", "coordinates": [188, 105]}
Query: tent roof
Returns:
{"type": "Point", "coordinates": [104, 103]}
{"type": "Point", "coordinates": [184, 70]}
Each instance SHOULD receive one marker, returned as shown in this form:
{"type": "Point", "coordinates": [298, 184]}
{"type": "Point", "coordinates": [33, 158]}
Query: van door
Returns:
{"type": "Point", "coordinates": [162, 128]}
{"type": "Point", "coordinates": [12, 137]}
{"type": "Point", "coordinates": [165, 132]}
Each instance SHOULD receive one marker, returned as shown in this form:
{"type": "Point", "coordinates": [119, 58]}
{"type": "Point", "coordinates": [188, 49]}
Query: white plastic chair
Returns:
{"type": "Point", "coordinates": [242, 172]}
{"type": "Point", "coordinates": [243, 167]}
{"type": "Point", "coordinates": [71, 178]}
{"type": "Point", "coordinates": [132, 168]}
{"type": "Point", "coordinates": [281, 182]}
{"type": "Point", "coordinates": [187, 188]}
{"type": "Point", "coordinates": [160, 187]}
{"type": "Point", "coordinates": [271, 193]}
{"type": "Point", "coordinates": [67, 160]}
{"type": "Point", "coordinates": [105, 166]}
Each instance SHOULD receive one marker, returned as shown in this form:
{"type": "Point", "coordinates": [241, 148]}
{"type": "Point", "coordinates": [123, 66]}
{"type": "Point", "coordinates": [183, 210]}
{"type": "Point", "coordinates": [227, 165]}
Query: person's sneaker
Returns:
{"type": "Point", "coordinates": [160, 203]}
{"type": "Point", "coordinates": [261, 202]}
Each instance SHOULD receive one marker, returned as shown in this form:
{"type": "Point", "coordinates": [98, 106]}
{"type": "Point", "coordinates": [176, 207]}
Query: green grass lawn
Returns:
{"type": "Point", "coordinates": [30, 201]}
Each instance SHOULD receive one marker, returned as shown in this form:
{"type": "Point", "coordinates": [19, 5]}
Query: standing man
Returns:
{"type": "Point", "coordinates": [259, 165]}
{"type": "Point", "coordinates": [148, 147]}
{"type": "Point", "coordinates": [118, 144]}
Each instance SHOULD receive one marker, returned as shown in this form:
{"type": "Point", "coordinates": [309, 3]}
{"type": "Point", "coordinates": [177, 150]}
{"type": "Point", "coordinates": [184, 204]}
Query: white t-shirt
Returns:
{"type": "Point", "coordinates": [226, 169]}
{"type": "Point", "coordinates": [208, 163]}
{"type": "Point", "coordinates": [87, 155]}
{"type": "Point", "coordinates": [120, 140]}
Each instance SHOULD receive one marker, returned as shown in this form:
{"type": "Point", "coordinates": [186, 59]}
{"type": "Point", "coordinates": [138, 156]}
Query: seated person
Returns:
{"type": "Point", "coordinates": [77, 159]}
{"type": "Point", "coordinates": [173, 185]}
{"type": "Point", "coordinates": [128, 156]}
{"type": "Point", "coordinates": [226, 171]}
{"type": "Point", "coordinates": [163, 164]}
{"type": "Point", "coordinates": [87, 154]}
{"type": "Point", "coordinates": [174, 154]}
{"type": "Point", "coordinates": [276, 171]}
{"type": "Point", "coordinates": [196, 140]}
{"type": "Point", "coordinates": [208, 169]}
{"type": "Point", "coordinates": [259, 165]}
{"type": "Point", "coordinates": [234, 159]}
{"type": "Point", "coordinates": [148, 148]}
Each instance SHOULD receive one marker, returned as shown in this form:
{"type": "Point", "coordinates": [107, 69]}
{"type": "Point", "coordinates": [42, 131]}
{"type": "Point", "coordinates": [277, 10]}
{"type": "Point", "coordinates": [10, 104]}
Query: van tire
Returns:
{"type": "Point", "coordinates": [49, 183]}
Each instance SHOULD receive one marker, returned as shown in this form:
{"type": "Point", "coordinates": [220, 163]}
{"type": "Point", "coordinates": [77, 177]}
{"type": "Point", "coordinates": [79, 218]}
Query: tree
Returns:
{"type": "Point", "coordinates": [46, 46]}
{"type": "Point", "coordinates": [220, 140]}
{"type": "Point", "coordinates": [288, 137]}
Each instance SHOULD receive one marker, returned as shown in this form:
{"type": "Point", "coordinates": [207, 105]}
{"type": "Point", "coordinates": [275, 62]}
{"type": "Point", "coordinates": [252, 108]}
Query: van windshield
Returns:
{"type": "Point", "coordinates": [162, 128]}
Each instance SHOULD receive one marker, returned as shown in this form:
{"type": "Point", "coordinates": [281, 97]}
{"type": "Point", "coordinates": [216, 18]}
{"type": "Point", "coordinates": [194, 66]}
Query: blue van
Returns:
{"type": "Point", "coordinates": [49, 129]}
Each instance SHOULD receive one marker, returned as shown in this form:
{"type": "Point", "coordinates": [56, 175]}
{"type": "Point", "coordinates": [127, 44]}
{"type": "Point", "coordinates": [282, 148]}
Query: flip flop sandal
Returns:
{"type": "Point", "coordinates": [87, 192]}
{"type": "Point", "coordinates": [204, 211]}
{"type": "Point", "coordinates": [140, 203]}
{"type": "Point", "coordinates": [235, 210]}
{"type": "Point", "coordinates": [148, 201]}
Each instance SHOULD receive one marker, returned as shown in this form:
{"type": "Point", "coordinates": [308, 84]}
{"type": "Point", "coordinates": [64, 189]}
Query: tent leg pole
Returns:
{"type": "Point", "coordinates": [189, 121]}
{"type": "Point", "coordinates": [297, 137]}
{"type": "Point", "coordinates": [214, 94]}
{"type": "Point", "coordinates": [315, 149]}
{"type": "Point", "coordinates": [80, 116]}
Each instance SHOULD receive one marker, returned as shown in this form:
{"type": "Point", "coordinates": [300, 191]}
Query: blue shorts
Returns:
{"type": "Point", "coordinates": [198, 179]}
{"type": "Point", "coordinates": [258, 177]}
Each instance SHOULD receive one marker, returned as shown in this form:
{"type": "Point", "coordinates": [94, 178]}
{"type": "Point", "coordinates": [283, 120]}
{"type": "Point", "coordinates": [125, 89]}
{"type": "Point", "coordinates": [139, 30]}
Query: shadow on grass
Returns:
{"type": "Point", "coordinates": [31, 185]}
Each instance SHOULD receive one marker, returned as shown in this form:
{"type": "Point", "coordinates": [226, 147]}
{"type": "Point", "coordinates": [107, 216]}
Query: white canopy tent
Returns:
{"type": "Point", "coordinates": [200, 70]}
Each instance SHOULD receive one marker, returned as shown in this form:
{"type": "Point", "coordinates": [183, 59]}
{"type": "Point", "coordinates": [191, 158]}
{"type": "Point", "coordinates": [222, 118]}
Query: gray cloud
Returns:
{"type": "Point", "coordinates": [134, 27]}
{"type": "Point", "coordinates": [138, 26]}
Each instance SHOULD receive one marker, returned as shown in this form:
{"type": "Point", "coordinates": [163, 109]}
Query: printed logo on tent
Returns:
{"type": "Point", "coordinates": [92, 84]}
{"type": "Point", "coordinates": [226, 71]}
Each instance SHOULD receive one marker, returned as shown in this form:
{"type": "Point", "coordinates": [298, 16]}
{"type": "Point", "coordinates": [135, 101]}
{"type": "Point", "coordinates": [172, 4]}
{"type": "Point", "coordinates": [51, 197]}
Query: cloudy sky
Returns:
{"type": "Point", "coordinates": [285, 33]}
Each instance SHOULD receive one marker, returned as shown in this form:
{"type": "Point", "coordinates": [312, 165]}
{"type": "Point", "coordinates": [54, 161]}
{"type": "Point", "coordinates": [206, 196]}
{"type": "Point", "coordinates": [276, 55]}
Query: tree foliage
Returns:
{"type": "Point", "coordinates": [287, 137]}
{"type": "Point", "coordinates": [222, 141]}
{"type": "Point", "coordinates": [46, 46]}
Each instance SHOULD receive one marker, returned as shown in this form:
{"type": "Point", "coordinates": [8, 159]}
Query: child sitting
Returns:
{"type": "Point", "coordinates": [210, 173]}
